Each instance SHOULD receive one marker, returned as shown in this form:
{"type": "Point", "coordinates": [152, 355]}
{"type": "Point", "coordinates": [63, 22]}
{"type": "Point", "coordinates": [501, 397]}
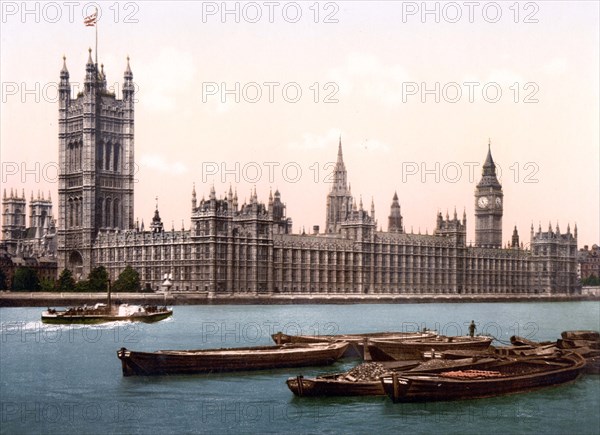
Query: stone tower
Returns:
{"type": "Point", "coordinates": [40, 213]}
{"type": "Point", "coordinates": [96, 160]}
{"type": "Point", "coordinates": [395, 217]}
{"type": "Point", "coordinates": [13, 219]}
{"type": "Point", "coordinates": [554, 256]}
{"type": "Point", "coordinates": [339, 199]}
{"type": "Point", "coordinates": [488, 206]}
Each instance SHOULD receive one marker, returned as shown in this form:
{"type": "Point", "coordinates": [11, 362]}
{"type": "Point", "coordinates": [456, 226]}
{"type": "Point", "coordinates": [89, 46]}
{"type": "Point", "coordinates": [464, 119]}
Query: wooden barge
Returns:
{"type": "Point", "coordinates": [409, 349]}
{"type": "Point", "coordinates": [166, 362]}
{"type": "Point", "coordinates": [503, 377]}
{"type": "Point", "coordinates": [356, 341]}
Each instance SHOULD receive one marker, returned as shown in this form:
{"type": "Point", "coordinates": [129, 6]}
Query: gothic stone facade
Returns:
{"type": "Point", "coordinates": [38, 240]}
{"type": "Point", "coordinates": [250, 249]}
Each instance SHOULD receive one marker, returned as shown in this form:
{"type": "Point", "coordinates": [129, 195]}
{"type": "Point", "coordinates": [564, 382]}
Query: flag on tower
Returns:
{"type": "Point", "coordinates": [90, 20]}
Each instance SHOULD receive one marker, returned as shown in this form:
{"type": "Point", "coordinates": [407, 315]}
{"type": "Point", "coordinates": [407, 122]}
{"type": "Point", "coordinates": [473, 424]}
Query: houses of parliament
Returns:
{"type": "Point", "coordinates": [249, 249]}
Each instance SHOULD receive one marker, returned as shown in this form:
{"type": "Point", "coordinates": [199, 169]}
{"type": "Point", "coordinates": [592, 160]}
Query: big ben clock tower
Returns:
{"type": "Point", "coordinates": [488, 206]}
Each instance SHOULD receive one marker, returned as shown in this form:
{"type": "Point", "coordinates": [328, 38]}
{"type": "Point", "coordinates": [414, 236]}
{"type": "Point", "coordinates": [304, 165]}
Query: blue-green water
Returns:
{"type": "Point", "coordinates": [67, 379]}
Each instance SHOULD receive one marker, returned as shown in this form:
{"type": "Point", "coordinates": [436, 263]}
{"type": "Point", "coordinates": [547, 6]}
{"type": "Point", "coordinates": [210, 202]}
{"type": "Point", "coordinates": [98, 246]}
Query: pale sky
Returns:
{"type": "Point", "coordinates": [375, 63]}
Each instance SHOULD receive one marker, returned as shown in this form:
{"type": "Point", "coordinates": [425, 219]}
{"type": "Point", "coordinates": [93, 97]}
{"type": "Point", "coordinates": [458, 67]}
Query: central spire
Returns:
{"type": "Point", "coordinates": [489, 170]}
{"type": "Point", "coordinates": [339, 173]}
{"type": "Point", "coordinates": [339, 199]}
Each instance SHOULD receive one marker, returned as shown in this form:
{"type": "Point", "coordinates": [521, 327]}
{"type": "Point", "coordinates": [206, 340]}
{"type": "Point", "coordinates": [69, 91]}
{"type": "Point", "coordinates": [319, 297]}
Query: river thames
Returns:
{"type": "Point", "coordinates": [67, 379]}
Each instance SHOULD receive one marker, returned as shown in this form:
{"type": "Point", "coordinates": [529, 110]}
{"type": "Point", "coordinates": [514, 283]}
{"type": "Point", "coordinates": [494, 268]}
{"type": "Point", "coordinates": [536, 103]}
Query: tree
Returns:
{"type": "Point", "coordinates": [82, 286]}
{"type": "Point", "coordinates": [65, 282]}
{"type": "Point", "coordinates": [128, 281]}
{"type": "Point", "coordinates": [47, 285]}
{"type": "Point", "coordinates": [25, 279]}
{"type": "Point", "coordinates": [98, 279]}
{"type": "Point", "coordinates": [591, 280]}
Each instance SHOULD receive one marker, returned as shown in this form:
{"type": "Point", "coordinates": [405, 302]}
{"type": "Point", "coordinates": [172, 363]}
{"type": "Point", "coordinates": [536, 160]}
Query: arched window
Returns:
{"type": "Point", "coordinates": [99, 212]}
{"type": "Point", "coordinates": [70, 212]}
{"type": "Point", "coordinates": [117, 155]}
{"type": "Point", "coordinates": [77, 209]}
{"type": "Point", "coordinates": [80, 213]}
{"type": "Point", "coordinates": [99, 155]}
{"type": "Point", "coordinates": [107, 155]}
{"type": "Point", "coordinates": [80, 155]}
{"type": "Point", "coordinates": [116, 214]}
{"type": "Point", "coordinates": [108, 212]}
{"type": "Point", "coordinates": [70, 156]}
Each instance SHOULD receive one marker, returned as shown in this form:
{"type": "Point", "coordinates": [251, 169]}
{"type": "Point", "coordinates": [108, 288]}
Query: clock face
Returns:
{"type": "Point", "coordinates": [498, 202]}
{"type": "Point", "coordinates": [483, 202]}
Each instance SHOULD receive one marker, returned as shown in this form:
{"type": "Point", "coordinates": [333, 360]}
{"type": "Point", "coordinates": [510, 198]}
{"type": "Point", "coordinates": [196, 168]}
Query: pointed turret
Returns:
{"type": "Point", "coordinates": [64, 87]}
{"type": "Point", "coordinates": [102, 78]}
{"type": "Point", "coordinates": [128, 86]}
{"type": "Point", "coordinates": [91, 75]}
{"type": "Point", "coordinates": [372, 209]}
{"type": "Point", "coordinates": [515, 238]}
{"type": "Point", "coordinates": [395, 217]}
{"type": "Point", "coordinates": [489, 178]}
{"type": "Point", "coordinates": [235, 199]}
{"type": "Point", "coordinates": [194, 202]}
{"type": "Point", "coordinates": [156, 226]}
{"type": "Point", "coordinates": [64, 72]}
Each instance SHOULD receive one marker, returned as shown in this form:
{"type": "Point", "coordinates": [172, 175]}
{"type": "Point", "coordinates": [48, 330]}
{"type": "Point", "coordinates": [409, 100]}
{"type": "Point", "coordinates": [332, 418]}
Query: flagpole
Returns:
{"type": "Point", "coordinates": [96, 26]}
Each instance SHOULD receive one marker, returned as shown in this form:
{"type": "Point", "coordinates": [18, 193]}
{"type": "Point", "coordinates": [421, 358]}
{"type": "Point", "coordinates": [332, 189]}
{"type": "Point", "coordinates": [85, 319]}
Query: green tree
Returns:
{"type": "Point", "coordinates": [47, 285]}
{"type": "Point", "coordinates": [98, 279]}
{"type": "Point", "coordinates": [82, 286]}
{"type": "Point", "coordinates": [65, 282]}
{"type": "Point", "coordinates": [25, 279]}
{"type": "Point", "coordinates": [591, 280]}
{"type": "Point", "coordinates": [128, 281]}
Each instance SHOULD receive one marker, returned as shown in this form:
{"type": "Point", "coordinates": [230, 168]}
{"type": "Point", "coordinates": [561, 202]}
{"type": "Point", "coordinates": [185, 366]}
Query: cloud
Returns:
{"type": "Point", "coordinates": [316, 142]}
{"type": "Point", "coordinates": [556, 67]}
{"type": "Point", "coordinates": [366, 75]}
{"type": "Point", "coordinates": [159, 163]}
{"type": "Point", "coordinates": [331, 138]}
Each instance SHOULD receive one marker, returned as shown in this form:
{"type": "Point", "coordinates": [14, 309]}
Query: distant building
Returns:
{"type": "Point", "coordinates": [589, 261]}
{"type": "Point", "coordinates": [36, 240]}
{"type": "Point", "coordinates": [248, 249]}
{"type": "Point", "coordinates": [31, 246]}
